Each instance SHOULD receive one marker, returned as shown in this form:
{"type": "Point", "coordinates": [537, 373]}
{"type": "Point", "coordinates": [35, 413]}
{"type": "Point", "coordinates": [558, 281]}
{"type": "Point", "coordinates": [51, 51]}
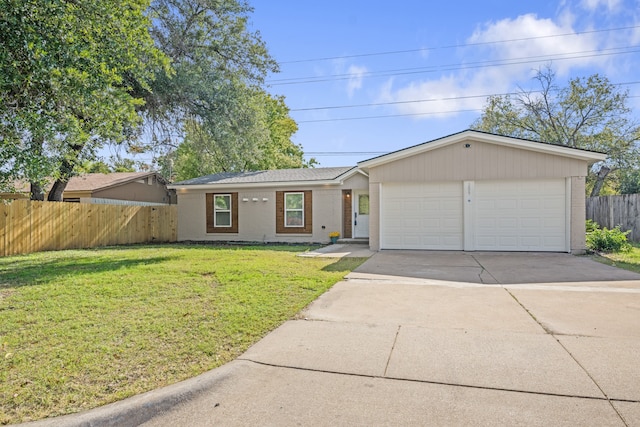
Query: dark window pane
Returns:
{"type": "Point", "coordinates": [223, 219]}
{"type": "Point", "coordinates": [294, 219]}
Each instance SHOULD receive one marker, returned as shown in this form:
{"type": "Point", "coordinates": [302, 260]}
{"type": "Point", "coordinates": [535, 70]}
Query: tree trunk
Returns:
{"type": "Point", "coordinates": [66, 172]}
{"type": "Point", "coordinates": [37, 192]}
{"type": "Point", "coordinates": [600, 177]}
{"type": "Point", "coordinates": [55, 194]}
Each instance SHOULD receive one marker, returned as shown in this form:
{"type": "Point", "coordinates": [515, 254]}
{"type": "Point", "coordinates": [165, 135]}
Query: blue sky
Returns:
{"type": "Point", "coordinates": [380, 58]}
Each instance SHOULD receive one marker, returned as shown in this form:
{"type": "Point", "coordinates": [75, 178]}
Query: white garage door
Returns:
{"type": "Point", "coordinates": [422, 216]}
{"type": "Point", "coordinates": [520, 215]}
{"type": "Point", "coordinates": [499, 216]}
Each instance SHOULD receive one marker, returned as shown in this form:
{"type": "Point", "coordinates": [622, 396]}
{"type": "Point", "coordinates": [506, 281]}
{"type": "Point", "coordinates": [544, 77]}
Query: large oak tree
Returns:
{"type": "Point", "coordinates": [63, 94]}
{"type": "Point", "coordinates": [75, 76]}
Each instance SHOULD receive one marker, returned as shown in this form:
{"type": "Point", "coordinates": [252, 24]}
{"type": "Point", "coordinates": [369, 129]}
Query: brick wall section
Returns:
{"type": "Point", "coordinates": [308, 214]}
{"type": "Point", "coordinates": [347, 212]}
{"type": "Point", "coordinates": [234, 214]}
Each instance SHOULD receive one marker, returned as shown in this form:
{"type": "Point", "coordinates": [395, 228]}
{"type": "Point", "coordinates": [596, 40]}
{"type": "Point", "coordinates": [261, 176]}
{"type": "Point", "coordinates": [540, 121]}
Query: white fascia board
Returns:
{"type": "Point", "coordinates": [243, 185]}
{"type": "Point", "coordinates": [541, 147]}
{"type": "Point", "coordinates": [472, 136]}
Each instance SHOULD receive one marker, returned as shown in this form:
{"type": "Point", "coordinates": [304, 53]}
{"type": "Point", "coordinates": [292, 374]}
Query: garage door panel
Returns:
{"type": "Point", "coordinates": [422, 216]}
{"type": "Point", "coordinates": [527, 215]}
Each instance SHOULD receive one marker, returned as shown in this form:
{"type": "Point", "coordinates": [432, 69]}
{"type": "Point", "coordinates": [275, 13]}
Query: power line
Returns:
{"type": "Point", "coordinates": [415, 101]}
{"type": "Point", "coordinates": [386, 116]}
{"type": "Point", "coordinates": [451, 98]}
{"type": "Point", "coordinates": [457, 67]}
{"type": "Point", "coordinates": [454, 46]}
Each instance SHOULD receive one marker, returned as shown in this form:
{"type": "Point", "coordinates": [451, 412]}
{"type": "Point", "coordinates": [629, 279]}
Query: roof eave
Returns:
{"type": "Point", "coordinates": [116, 183]}
{"type": "Point", "coordinates": [243, 185]}
{"type": "Point", "coordinates": [351, 172]}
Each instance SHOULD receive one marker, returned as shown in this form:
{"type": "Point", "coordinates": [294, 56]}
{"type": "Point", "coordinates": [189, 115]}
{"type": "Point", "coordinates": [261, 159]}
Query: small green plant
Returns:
{"type": "Point", "coordinates": [592, 225]}
{"type": "Point", "coordinates": [606, 240]}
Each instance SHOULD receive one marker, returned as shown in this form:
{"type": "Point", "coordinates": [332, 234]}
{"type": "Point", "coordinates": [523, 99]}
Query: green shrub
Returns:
{"type": "Point", "coordinates": [592, 225]}
{"type": "Point", "coordinates": [606, 240]}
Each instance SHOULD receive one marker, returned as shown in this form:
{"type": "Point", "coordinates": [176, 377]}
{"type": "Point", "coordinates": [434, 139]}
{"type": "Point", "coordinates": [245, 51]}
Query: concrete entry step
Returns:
{"type": "Point", "coordinates": [355, 241]}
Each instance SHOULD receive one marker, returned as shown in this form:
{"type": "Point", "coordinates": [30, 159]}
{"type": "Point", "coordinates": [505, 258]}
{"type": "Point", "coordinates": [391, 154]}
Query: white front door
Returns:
{"type": "Point", "coordinates": [361, 214]}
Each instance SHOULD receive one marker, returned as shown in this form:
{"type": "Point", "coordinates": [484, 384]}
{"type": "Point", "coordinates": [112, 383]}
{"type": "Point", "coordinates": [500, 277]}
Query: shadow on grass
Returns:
{"type": "Point", "coordinates": [36, 271]}
{"type": "Point", "coordinates": [45, 267]}
{"type": "Point", "coordinates": [344, 264]}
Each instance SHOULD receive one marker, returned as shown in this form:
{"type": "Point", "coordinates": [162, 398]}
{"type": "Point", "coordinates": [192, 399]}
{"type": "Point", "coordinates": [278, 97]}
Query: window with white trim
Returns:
{"type": "Point", "coordinates": [222, 210]}
{"type": "Point", "coordinates": [294, 209]}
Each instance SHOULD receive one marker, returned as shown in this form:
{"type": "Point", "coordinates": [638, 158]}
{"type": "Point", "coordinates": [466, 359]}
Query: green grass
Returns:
{"type": "Point", "coordinates": [79, 329]}
{"type": "Point", "coordinates": [627, 260]}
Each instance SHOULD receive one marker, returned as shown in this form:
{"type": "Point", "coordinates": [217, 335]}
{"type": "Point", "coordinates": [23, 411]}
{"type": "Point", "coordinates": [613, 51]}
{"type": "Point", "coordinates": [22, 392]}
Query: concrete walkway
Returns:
{"type": "Point", "coordinates": [431, 338]}
{"type": "Point", "coordinates": [340, 250]}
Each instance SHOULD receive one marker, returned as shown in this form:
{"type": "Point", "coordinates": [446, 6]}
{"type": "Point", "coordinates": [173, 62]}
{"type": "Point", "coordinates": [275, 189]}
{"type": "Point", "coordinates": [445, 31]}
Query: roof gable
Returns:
{"type": "Point", "coordinates": [472, 135]}
{"type": "Point", "coordinates": [101, 181]}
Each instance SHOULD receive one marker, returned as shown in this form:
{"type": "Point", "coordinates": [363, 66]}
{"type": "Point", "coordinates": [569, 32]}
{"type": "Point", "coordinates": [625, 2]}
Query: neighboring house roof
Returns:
{"type": "Point", "coordinates": [101, 181]}
{"type": "Point", "coordinates": [93, 181]}
{"type": "Point", "coordinates": [332, 175]}
{"type": "Point", "coordinates": [474, 135]}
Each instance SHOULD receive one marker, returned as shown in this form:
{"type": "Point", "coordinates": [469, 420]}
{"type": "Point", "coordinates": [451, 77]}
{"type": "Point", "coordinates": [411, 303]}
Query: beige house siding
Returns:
{"type": "Point", "coordinates": [578, 215]}
{"type": "Point", "coordinates": [374, 216]}
{"type": "Point", "coordinates": [257, 212]}
{"type": "Point", "coordinates": [257, 215]}
{"type": "Point", "coordinates": [143, 192]}
{"type": "Point", "coordinates": [356, 182]}
{"type": "Point", "coordinates": [481, 161]}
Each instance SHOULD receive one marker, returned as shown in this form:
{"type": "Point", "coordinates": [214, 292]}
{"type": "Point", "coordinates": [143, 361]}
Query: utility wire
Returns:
{"type": "Point", "coordinates": [454, 46]}
{"type": "Point", "coordinates": [457, 67]}
{"type": "Point", "coordinates": [386, 116]}
{"type": "Point", "coordinates": [451, 98]}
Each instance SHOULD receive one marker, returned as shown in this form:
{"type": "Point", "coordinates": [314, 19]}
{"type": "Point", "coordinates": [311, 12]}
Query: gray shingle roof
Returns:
{"type": "Point", "coordinates": [279, 175]}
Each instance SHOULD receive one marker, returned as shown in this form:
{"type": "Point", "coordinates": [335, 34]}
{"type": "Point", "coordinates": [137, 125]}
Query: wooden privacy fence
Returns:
{"type": "Point", "coordinates": [609, 211]}
{"type": "Point", "coordinates": [27, 226]}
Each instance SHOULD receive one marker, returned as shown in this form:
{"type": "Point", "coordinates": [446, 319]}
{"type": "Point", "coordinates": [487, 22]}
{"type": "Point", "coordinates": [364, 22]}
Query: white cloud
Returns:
{"type": "Point", "coordinates": [355, 79]}
{"type": "Point", "coordinates": [441, 98]}
{"type": "Point", "coordinates": [518, 59]}
{"type": "Point", "coordinates": [536, 38]}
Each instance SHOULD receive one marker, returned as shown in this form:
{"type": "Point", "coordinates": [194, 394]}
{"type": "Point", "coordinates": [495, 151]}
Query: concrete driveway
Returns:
{"type": "Point", "coordinates": [435, 338]}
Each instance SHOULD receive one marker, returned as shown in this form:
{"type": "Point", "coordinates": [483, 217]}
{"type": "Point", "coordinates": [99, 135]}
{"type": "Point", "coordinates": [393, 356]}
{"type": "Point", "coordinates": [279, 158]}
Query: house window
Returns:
{"type": "Point", "coordinates": [363, 204]}
{"type": "Point", "coordinates": [294, 210]}
{"type": "Point", "coordinates": [222, 212]}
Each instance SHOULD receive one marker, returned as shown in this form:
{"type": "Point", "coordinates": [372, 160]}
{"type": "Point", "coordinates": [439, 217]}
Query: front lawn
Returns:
{"type": "Point", "coordinates": [628, 260]}
{"type": "Point", "coordinates": [79, 329]}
